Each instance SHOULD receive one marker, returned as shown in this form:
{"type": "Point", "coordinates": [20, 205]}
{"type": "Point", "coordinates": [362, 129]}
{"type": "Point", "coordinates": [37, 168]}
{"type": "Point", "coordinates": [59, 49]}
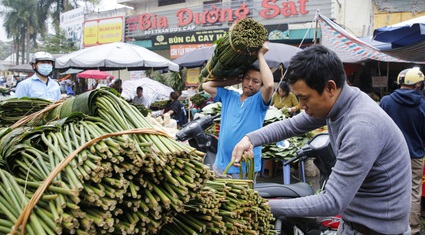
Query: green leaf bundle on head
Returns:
{"type": "Point", "coordinates": [236, 51]}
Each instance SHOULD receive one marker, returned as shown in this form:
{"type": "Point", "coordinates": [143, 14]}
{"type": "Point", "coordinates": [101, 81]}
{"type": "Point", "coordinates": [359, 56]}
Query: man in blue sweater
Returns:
{"type": "Point", "coordinates": [241, 113]}
{"type": "Point", "coordinates": [406, 107]}
{"type": "Point", "coordinates": [370, 182]}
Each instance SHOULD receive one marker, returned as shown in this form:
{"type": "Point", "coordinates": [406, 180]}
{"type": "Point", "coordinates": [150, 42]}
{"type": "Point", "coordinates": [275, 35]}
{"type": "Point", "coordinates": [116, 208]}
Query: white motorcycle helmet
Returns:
{"type": "Point", "coordinates": [410, 76]}
{"type": "Point", "coordinates": [41, 56]}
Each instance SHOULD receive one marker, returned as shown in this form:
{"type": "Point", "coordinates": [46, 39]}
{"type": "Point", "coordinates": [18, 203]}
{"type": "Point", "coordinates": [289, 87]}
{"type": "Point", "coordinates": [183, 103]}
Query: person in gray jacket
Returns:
{"type": "Point", "coordinates": [371, 181]}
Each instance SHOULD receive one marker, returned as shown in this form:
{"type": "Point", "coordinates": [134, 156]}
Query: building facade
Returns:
{"type": "Point", "coordinates": [174, 27]}
{"type": "Point", "coordinates": [169, 25]}
{"type": "Point", "coordinates": [177, 26]}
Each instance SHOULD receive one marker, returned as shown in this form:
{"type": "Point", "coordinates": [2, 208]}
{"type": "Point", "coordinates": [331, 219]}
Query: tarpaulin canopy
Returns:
{"type": "Point", "coordinates": [402, 34]}
{"type": "Point", "coordinates": [278, 54]}
{"type": "Point", "coordinates": [152, 90]}
{"type": "Point", "coordinates": [349, 48]}
{"type": "Point", "coordinates": [71, 71]}
{"type": "Point", "coordinates": [95, 74]}
{"type": "Point", "coordinates": [407, 39]}
{"type": "Point", "coordinates": [26, 68]}
{"type": "Point", "coordinates": [414, 52]}
{"type": "Point", "coordinates": [195, 58]}
{"type": "Point", "coordinates": [115, 56]}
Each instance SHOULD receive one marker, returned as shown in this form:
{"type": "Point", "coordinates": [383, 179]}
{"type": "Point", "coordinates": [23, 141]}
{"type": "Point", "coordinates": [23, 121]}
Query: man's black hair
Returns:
{"type": "Point", "coordinates": [316, 65]}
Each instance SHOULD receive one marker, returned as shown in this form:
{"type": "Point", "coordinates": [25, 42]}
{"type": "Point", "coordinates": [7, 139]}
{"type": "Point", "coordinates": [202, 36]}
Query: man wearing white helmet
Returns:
{"type": "Point", "coordinates": [40, 85]}
{"type": "Point", "coordinates": [406, 107]}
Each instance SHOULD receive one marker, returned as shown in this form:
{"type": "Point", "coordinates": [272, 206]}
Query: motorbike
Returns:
{"type": "Point", "coordinates": [318, 148]}
{"type": "Point", "coordinates": [194, 133]}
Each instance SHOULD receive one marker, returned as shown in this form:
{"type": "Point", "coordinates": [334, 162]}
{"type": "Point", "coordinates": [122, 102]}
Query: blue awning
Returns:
{"type": "Point", "coordinates": [402, 34]}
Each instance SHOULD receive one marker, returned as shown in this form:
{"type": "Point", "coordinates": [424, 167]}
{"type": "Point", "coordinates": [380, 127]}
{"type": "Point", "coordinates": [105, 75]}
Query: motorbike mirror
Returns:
{"type": "Point", "coordinates": [283, 144]}
{"type": "Point", "coordinates": [320, 141]}
{"type": "Point", "coordinates": [321, 149]}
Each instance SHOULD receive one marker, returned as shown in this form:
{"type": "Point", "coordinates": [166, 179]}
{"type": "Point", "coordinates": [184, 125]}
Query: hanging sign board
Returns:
{"type": "Point", "coordinates": [379, 81]}
{"type": "Point", "coordinates": [192, 76]}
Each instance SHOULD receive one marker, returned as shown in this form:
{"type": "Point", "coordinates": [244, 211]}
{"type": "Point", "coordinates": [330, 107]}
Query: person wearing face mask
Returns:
{"type": "Point", "coordinates": [40, 85]}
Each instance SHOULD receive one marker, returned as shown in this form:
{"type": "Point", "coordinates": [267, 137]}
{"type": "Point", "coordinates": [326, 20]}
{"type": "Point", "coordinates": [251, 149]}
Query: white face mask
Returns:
{"type": "Point", "coordinates": [45, 69]}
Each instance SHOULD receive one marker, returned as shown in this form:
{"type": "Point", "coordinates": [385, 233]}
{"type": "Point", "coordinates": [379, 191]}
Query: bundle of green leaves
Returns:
{"type": "Point", "coordinates": [236, 51]}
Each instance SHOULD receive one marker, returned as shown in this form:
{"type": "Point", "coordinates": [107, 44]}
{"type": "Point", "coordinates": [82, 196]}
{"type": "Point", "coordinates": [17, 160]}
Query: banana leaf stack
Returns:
{"type": "Point", "coordinates": [236, 51]}
{"type": "Point", "coordinates": [271, 151]}
{"type": "Point", "coordinates": [14, 109]}
{"type": "Point", "coordinates": [142, 109]}
{"type": "Point", "coordinates": [198, 99]}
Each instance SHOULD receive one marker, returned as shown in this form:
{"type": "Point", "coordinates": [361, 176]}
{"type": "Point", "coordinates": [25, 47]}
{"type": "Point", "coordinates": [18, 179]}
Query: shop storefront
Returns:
{"type": "Point", "coordinates": [181, 30]}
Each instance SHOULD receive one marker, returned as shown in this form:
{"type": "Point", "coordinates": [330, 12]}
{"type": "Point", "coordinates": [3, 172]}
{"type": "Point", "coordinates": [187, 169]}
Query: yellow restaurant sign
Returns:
{"type": "Point", "coordinates": [192, 76]}
{"type": "Point", "coordinates": [102, 31]}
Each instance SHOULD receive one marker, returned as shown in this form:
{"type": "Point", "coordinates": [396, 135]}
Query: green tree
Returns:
{"type": "Point", "coordinates": [5, 49]}
{"type": "Point", "coordinates": [20, 24]}
{"type": "Point", "coordinates": [57, 44]}
{"type": "Point", "coordinates": [25, 20]}
{"type": "Point", "coordinates": [171, 79]}
{"type": "Point", "coordinates": [55, 7]}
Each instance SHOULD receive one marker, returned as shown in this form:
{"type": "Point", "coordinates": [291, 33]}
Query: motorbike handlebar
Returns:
{"type": "Point", "coordinates": [302, 154]}
{"type": "Point", "coordinates": [290, 160]}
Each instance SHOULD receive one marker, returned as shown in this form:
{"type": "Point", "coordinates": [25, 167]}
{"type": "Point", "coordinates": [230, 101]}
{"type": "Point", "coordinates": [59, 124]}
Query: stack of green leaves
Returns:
{"type": "Point", "coordinates": [272, 151]}
{"type": "Point", "coordinates": [198, 99]}
{"type": "Point", "coordinates": [158, 105]}
{"type": "Point", "coordinates": [142, 109]}
{"type": "Point", "coordinates": [4, 91]}
{"type": "Point", "coordinates": [14, 109]}
{"type": "Point", "coordinates": [236, 51]}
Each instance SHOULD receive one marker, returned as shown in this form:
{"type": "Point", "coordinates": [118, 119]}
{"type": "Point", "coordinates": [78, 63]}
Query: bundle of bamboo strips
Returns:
{"type": "Point", "coordinates": [108, 172]}
{"type": "Point", "coordinates": [112, 176]}
{"type": "Point", "coordinates": [236, 51]}
{"type": "Point", "coordinates": [224, 206]}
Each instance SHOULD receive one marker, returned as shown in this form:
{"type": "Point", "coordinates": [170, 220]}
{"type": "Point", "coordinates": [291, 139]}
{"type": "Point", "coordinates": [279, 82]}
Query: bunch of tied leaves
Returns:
{"type": "Point", "coordinates": [142, 109]}
{"type": "Point", "coordinates": [236, 51]}
{"type": "Point", "coordinates": [159, 104]}
{"type": "Point", "coordinates": [272, 151]}
{"type": "Point", "coordinates": [198, 99]}
{"type": "Point", "coordinates": [14, 109]}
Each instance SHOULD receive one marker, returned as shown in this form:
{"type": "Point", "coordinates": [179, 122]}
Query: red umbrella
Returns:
{"type": "Point", "coordinates": [95, 74]}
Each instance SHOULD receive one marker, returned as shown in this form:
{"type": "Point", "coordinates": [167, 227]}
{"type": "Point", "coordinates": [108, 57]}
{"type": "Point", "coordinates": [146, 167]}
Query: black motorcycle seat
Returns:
{"type": "Point", "coordinates": [275, 190]}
